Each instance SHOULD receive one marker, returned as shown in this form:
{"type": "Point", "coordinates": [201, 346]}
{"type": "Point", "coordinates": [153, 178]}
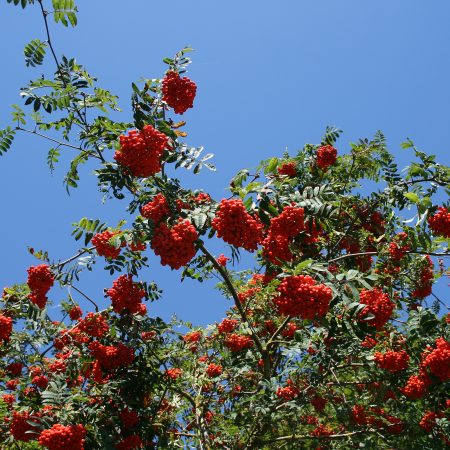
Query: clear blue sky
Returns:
{"type": "Point", "coordinates": [270, 75]}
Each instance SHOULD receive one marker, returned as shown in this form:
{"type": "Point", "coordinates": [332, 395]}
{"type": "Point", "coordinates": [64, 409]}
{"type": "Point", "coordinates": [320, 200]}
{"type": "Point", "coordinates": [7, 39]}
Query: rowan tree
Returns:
{"type": "Point", "coordinates": [334, 338]}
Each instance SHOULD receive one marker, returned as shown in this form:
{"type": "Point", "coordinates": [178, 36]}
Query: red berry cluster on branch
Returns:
{"type": "Point", "coordinates": [415, 387]}
{"type": "Point", "coordinates": [156, 210]}
{"type": "Point", "coordinates": [213, 370]}
{"type": "Point", "coordinates": [379, 304]}
{"type": "Point", "coordinates": [101, 242]}
{"type": "Point", "coordinates": [140, 152]}
{"type": "Point", "coordinates": [94, 325]}
{"type": "Point", "coordinates": [178, 92]}
{"type": "Point", "coordinates": [131, 442]}
{"type": "Point", "coordinates": [300, 296]}
{"type": "Point", "coordinates": [227, 325]}
{"type": "Point", "coordinates": [111, 357]}
{"type": "Point", "coordinates": [60, 437]}
{"type": "Point", "coordinates": [237, 342]}
{"type": "Point", "coordinates": [176, 245]}
{"type": "Point", "coordinates": [75, 313]}
{"type": "Point", "coordinates": [392, 361]}
{"type": "Point", "coordinates": [126, 295]}
{"type": "Point", "coordinates": [289, 169]}
{"type": "Point", "coordinates": [326, 156]}
{"type": "Point", "coordinates": [236, 226]}
{"type": "Point", "coordinates": [282, 230]}
{"type": "Point", "coordinates": [438, 360]}
{"type": "Point", "coordinates": [439, 223]}
{"type": "Point", "coordinates": [40, 280]}
{"type": "Point", "coordinates": [6, 326]}
{"type": "Point", "coordinates": [20, 427]}
{"type": "Point", "coordinates": [424, 284]}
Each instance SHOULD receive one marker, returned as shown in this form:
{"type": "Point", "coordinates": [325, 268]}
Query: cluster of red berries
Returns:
{"type": "Point", "coordinates": [236, 226]}
{"type": "Point", "coordinates": [300, 296]}
{"type": "Point", "coordinates": [439, 223]}
{"type": "Point", "coordinates": [20, 427]}
{"type": "Point", "coordinates": [318, 403]}
{"type": "Point", "coordinates": [392, 361]}
{"type": "Point", "coordinates": [192, 337]}
{"type": "Point", "coordinates": [94, 325]}
{"type": "Point", "coordinates": [213, 370]}
{"type": "Point", "coordinates": [379, 304]}
{"type": "Point", "coordinates": [174, 373]}
{"type": "Point", "coordinates": [425, 283]}
{"type": "Point", "coordinates": [287, 393]}
{"type": "Point", "coordinates": [178, 92]}
{"type": "Point", "coordinates": [222, 260]}
{"type": "Point", "coordinates": [281, 231]}
{"type": "Point", "coordinates": [75, 313]}
{"type": "Point", "coordinates": [131, 442]}
{"type": "Point", "coordinates": [237, 342]}
{"type": "Point", "coordinates": [129, 418]}
{"type": "Point", "coordinates": [326, 156]}
{"type": "Point", "coordinates": [398, 248]}
{"type": "Point", "coordinates": [227, 325]}
{"type": "Point", "coordinates": [175, 245]}
{"type": "Point", "coordinates": [289, 169]}
{"type": "Point", "coordinates": [438, 360]}
{"type": "Point", "coordinates": [140, 152]}
{"type": "Point", "coordinates": [415, 387]}
{"type": "Point", "coordinates": [156, 210]}
{"type": "Point", "coordinates": [6, 326]}
{"type": "Point", "coordinates": [126, 295]}
{"type": "Point", "coordinates": [60, 437]}
{"type": "Point", "coordinates": [428, 421]}
{"type": "Point", "coordinates": [101, 242]}
{"type": "Point", "coordinates": [40, 280]}
{"type": "Point", "coordinates": [14, 368]}
{"type": "Point", "coordinates": [111, 357]}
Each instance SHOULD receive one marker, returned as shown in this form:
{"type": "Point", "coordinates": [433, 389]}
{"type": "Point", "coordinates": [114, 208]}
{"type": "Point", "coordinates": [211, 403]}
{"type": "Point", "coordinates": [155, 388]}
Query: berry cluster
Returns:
{"type": "Point", "coordinates": [101, 242]}
{"type": "Point", "coordinates": [326, 156]}
{"type": "Point", "coordinates": [75, 313]}
{"type": "Point", "coordinates": [126, 295]}
{"type": "Point", "coordinates": [415, 387]}
{"type": "Point", "coordinates": [227, 325]}
{"type": "Point", "coordinates": [428, 421]}
{"type": "Point", "coordinates": [60, 437]}
{"type": "Point", "coordinates": [398, 248]}
{"type": "Point", "coordinates": [287, 393]}
{"type": "Point", "coordinates": [111, 357]}
{"type": "Point", "coordinates": [438, 360]}
{"type": "Point", "coordinates": [424, 284]}
{"type": "Point", "coordinates": [439, 223]}
{"type": "Point", "coordinates": [289, 169]}
{"type": "Point", "coordinates": [6, 326]}
{"type": "Point", "coordinates": [156, 210]}
{"type": "Point", "coordinates": [140, 152]}
{"type": "Point", "coordinates": [94, 325]}
{"type": "Point", "coordinates": [236, 226]}
{"type": "Point", "coordinates": [237, 342]}
{"type": "Point", "coordinates": [300, 296]}
{"type": "Point", "coordinates": [20, 427]}
{"type": "Point", "coordinates": [40, 280]}
{"type": "Point", "coordinates": [129, 418]}
{"type": "Point", "coordinates": [131, 442]}
{"type": "Point", "coordinates": [379, 304]}
{"type": "Point", "coordinates": [175, 245]}
{"type": "Point", "coordinates": [174, 373]}
{"type": "Point", "coordinates": [213, 370]}
{"type": "Point", "coordinates": [392, 361]}
{"type": "Point", "coordinates": [222, 260]}
{"type": "Point", "coordinates": [178, 92]}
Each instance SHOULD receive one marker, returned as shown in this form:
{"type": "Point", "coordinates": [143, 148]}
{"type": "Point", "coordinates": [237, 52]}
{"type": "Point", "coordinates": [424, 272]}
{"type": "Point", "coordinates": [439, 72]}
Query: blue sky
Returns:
{"type": "Point", "coordinates": [270, 75]}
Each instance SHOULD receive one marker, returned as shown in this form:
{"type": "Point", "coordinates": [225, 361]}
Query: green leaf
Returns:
{"type": "Point", "coordinates": [6, 139]}
{"type": "Point", "coordinates": [412, 197]}
{"type": "Point", "coordinates": [34, 53]}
